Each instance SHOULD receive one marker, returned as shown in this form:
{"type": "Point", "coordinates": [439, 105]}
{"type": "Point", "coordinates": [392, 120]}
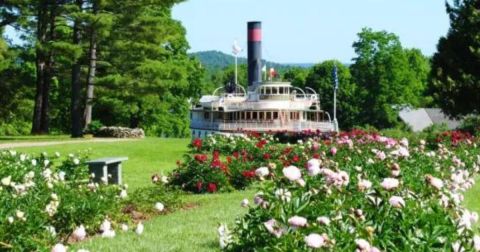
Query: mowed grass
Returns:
{"type": "Point", "coordinates": [191, 229]}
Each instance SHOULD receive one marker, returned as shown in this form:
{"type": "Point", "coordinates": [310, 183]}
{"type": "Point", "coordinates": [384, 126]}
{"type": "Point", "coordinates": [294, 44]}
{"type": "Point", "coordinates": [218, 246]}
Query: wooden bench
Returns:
{"type": "Point", "coordinates": [109, 168]}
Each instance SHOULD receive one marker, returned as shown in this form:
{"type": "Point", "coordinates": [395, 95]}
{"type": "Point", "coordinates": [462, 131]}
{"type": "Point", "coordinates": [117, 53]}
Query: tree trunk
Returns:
{"type": "Point", "coordinates": [91, 70]}
{"type": "Point", "coordinates": [76, 113]}
{"type": "Point", "coordinates": [40, 63]}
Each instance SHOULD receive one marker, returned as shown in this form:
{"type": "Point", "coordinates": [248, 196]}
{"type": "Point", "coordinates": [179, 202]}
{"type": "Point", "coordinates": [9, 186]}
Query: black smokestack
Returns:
{"type": "Point", "coordinates": [254, 52]}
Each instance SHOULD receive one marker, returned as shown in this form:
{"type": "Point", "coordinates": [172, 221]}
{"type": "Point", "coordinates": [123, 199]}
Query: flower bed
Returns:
{"type": "Point", "coordinates": [361, 192]}
{"type": "Point", "coordinates": [46, 200]}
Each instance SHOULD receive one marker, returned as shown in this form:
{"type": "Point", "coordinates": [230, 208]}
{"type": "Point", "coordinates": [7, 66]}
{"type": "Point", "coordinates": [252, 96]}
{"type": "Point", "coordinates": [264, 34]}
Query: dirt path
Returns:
{"type": "Point", "coordinates": [47, 143]}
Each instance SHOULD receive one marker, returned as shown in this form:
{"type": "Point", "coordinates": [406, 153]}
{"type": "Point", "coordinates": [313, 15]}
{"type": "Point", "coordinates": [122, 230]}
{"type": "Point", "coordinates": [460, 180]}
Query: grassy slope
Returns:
{"type": "Point", "coordinates": [185, 230]}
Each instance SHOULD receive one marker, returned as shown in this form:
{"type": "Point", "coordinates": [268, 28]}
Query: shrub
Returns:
{"type": "Point", "coordinates": [363, 192]}
{"type": "Point", "coordinates": [94, 127]}
{"type": "Point", "coordinates": [43, 199]}
{"type": "Point", "coordinates": [471, 124]}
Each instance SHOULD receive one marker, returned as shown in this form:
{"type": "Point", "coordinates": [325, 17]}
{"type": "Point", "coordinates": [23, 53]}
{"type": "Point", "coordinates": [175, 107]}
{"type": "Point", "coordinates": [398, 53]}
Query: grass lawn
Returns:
{"type": "Point", "coordinates": [192, 229]}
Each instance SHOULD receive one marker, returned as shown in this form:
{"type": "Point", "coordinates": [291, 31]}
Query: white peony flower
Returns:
{"type": "Point", "coordinates": [76, 161]}
{"type": "Point", "coordinates": [34, 162]}
{"type": "Point", "coordinates": [6, 181]}
{"type": "Point", "coordinates": [59, 248]}
{"type": "Point", "coordinates": [390, 183]}
{"type": "Point", "coordinates": [314, 240]}
{"type": "Point", "coordinates": [106, 225]}
{"type": "Point", "coordinates": [79, 233]}
{"type": "Point", "coordinates": [364, 185]}
{"type": "Point", "coordinates": [10, 219]}
{"type": "Point", "coordinates": [262, 172]}
{"type": "Point", "coordinates": [244, 203]}
{"type": "Point", "coordinates": [292, 173]}
{"type": "Point", "coordinates": [159, 207]}
{"type": "Point", "coordinates": [108, 233]}
{"type": "Point", "coordinates": [273, 228]}
{"type": "Point", "coordinates": [139, 229]}
{"type": "Point", "coordinates": [476, 243]}
{"type": "Point", "coordinates": [396, 201]}
{"type": "Point", "coordinates": [297, 221]}
{"type": "Point", "coordinates": [323, 220]}
{"type": "Point", "coordinates": [124, 227]}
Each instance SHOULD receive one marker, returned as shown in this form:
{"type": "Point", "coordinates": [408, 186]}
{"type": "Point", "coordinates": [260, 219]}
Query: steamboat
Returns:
{"type": "Point", "coordinates": [264, 106]}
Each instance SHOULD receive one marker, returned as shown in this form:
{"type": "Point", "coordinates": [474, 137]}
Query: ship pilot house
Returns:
{"type": "Point", "coordinates": [262, 107]}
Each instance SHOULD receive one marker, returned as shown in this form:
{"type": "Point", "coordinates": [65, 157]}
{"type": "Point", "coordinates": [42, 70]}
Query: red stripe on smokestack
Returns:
{"type": "Point", "coordinates": [255, 35]}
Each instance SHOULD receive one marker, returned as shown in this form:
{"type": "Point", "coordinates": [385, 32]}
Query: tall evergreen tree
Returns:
{"type": "Point", "coordinates": [455, 67]}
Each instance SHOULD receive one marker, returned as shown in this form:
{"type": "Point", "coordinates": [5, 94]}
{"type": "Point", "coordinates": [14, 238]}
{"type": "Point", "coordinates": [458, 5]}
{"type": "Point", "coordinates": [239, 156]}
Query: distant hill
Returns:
{"type": "Point", "coordinates": [216, 60]}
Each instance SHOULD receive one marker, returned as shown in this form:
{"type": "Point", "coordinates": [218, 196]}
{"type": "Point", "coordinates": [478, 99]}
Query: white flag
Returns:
{"type": "Point", "coordinates": [236, 49]}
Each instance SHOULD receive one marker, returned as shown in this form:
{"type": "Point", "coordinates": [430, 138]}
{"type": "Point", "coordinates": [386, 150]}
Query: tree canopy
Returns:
{"type": "Point", "coordinates": [455, 76]}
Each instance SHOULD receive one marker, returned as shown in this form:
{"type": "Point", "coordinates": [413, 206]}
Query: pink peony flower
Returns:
{"type": "Point", "coordinates": [313, 167]}
{"type": "Point", "coordinates": [273, 228]}
{"type": "Point", "coordinates": [262, 172]}
{"type": "Point", "coordinates": [396, 201]}
{"type": "Point", "coordinates": [79, 233]}
{"type": "Point", "coordinates": [333, 151]}
{"type": "Point", "coordinates": [323, 220]}
{"type": "Point", "coordinates": [476, 243]}
{"type": "Point", "coordinates": [292, 173]}
{"type": "Point", "coordinates": [390, 183]}
{"type": "Point", "coordinates": [362, 245]}
{"type": "Point", "coordinates": [59, 248]}
{"type": "Point", "coordinates": [435, 182]}
{"type": "Point", "coordinates": [297, 221]}
{"type": "Point", "coordinates": [364, 185]}
{"type": "Point", "coordinates": [314, 240]}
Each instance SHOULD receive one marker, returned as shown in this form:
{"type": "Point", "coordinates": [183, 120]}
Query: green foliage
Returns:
{"type": "Point", "coordinates": [321, 80]}
{"type": "Point", "coordinates": [455, 79]}
{"type": "Point", "coordinates": [144, 199]}
{"type": "Point", "coordinates": [471, 124]}
{"type": "Point", "coordinates": [93, 127]}
{"type": "Point", "coordinates": [349, 198]}
{"type": "Point", "coordinates": [41, 195]}
{"type": "Point", "coordinates": [297, 76]}
{"type": "Point", "coordinates": [387, 76]}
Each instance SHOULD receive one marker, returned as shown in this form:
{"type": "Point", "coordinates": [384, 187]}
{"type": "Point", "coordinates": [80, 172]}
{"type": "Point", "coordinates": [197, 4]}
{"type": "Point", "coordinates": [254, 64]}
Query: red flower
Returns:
{"type": "Point", "coordinates": [316, 155]}
{"type": "Point", "coordinates": [216, 155]}
{"type": "Point", "coordinates": [266, 156]}
{"type": "Point", "coordinates": [235, 154]}
{"type": "Point", "coordinates": [197, 143]}
{"type": "Point", "coordinates": [295, 159]}
{"type": "Point", "coordinates": [261, 143]}
{"type": "Point", "coordinates": [212, 187]}
{"type": "Point", "coordinates": [229, 159]}
{"type": "Point", "coordinates": [199, 186]}
{"type": "Point", "coordinates": [201, 158]}
{"type": "Point", "coordinates": [249, 174]}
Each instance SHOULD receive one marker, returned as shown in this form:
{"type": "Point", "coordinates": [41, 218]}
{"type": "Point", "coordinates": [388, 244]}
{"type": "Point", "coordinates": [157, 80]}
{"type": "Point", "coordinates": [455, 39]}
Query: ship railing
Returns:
{"type": "Point", "coordinates": [264, 126]}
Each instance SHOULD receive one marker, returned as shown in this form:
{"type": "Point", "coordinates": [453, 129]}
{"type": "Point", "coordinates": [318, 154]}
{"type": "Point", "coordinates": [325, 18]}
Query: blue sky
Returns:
{"type": "Point", "coordinates": [310, 31]}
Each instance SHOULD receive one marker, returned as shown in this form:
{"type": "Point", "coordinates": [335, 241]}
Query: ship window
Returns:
{"type": "Point", "coordinates": [254, 115]}
{"type": "Point", "coordinates": [274, 90]}
{"type": "Point", "coordinates": [280, 90]}
{"type": "Point", "coordinates": [206, 115]}
{"type": "Point", "coordinates": [269, 116]}
{"type": "Point", "coordinates": [248, 115]}
{"type": "Point", "coordinates": [261, 115]}
{"type": "Point", "coordinates": [267, 90]}
{"type": "Point", "coordinates": [275, 115]}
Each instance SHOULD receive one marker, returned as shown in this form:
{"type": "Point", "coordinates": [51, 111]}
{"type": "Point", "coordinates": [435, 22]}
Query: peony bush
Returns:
{"type": "Point", "coordinates": [361, 192]}
{"type": "Point", "coordinates": [47, 202]}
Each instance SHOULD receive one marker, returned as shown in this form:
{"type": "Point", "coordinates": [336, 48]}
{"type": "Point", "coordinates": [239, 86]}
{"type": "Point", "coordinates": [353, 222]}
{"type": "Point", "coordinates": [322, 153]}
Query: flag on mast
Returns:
{"type": "Point", "coordinates": [335, 77]}
{"type": "Point", "coordinates": [236, 49]}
